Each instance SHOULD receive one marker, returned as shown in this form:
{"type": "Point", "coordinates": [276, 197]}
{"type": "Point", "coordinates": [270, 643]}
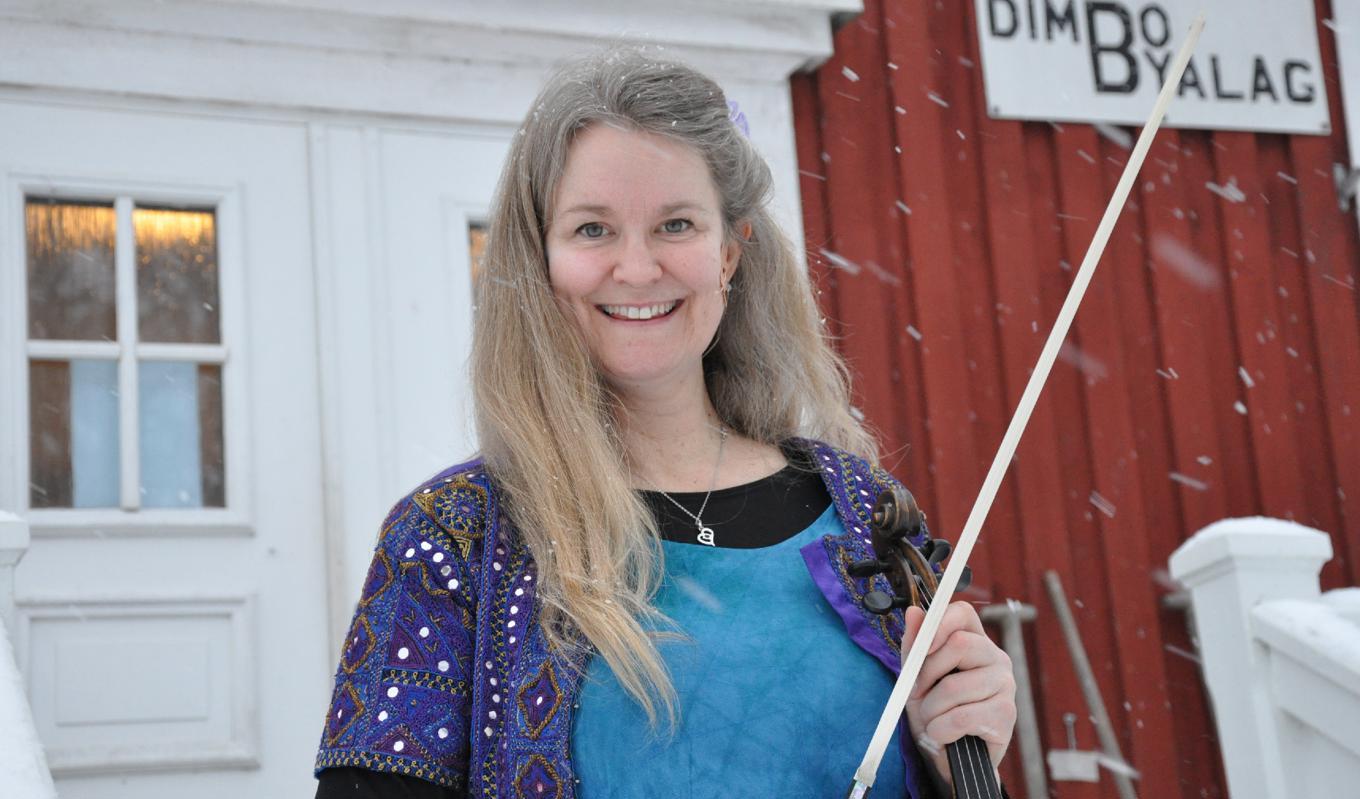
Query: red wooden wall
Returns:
{"type": "Point", "coordinates": [1213, 371]}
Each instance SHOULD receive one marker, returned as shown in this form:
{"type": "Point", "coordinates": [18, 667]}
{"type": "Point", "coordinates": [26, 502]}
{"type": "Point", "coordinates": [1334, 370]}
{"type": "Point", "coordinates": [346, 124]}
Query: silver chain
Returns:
{"type": "Point", "coordinates": [705, 533]}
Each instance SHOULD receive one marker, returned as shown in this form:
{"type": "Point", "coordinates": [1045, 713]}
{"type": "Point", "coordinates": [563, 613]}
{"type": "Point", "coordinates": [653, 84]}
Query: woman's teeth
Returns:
{"type": "Point", "coordinates": [636, 312]}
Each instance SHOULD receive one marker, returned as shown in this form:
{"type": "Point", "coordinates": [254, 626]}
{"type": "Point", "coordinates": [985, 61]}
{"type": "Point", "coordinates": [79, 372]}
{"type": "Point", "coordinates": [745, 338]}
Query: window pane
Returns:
{"type": "Point", "coordinates": [176, 275]}
{"type": "Point", "coordinates": [476, 248]}
{"type": "Point", "coordinates": [210, 436]}
{"type": "Point", "coordinates": [181, 435]}
{"type": "Point", "coordinates": [73, 418]}
{"type": "Point", "coordinates": [70, 270]}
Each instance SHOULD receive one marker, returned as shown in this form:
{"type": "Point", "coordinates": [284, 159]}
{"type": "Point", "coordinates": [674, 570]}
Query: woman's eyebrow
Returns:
{"type": "Point", "coordinates": [603, 210]}
{"type": "Point", "coordinates": [681, 206]}
{"type": "Point", "coordinates": [595, 210]}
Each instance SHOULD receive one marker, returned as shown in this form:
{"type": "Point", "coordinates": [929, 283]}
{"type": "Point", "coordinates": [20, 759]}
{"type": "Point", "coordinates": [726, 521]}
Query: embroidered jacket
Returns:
{"type": "Point", "coordinates": [445, 674]}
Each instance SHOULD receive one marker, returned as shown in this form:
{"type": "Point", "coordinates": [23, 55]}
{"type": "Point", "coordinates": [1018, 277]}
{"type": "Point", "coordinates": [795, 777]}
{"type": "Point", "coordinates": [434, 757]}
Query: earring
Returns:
{"type": "Point", "coordinates": [724, 287]}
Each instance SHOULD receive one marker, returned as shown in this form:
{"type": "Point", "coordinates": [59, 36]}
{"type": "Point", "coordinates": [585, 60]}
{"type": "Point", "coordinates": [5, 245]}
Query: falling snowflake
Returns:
{"type": "Point", "coordinates": [1188, 481]}
{"type": "Point", "coordinates": [1227, 191]}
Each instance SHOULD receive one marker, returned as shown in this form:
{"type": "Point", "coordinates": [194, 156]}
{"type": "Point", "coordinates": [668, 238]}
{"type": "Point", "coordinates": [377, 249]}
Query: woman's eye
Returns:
{"type": "Point", "coordinates": [591, 230]}
{"type": "Point", "coordinates": [676, 225]}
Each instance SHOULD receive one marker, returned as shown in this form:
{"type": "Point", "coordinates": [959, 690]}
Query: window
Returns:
{"type": "Point", "coordinates": [125, 356]}
{"type": "Point", "coordinates": [476, 247]}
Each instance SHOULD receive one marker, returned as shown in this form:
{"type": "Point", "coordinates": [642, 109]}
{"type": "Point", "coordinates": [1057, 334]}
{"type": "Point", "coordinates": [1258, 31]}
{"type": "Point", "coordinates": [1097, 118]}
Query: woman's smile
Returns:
{"type": "Point", "coordinates": [653, 312]}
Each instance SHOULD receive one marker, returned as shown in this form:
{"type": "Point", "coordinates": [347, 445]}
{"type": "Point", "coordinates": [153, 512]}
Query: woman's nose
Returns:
{"type": "Point", "coordinates": [637, 263]}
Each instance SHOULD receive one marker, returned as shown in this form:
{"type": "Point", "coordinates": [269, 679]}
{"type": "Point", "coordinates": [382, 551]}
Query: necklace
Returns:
{"type": "Point", "coordinates": [705, 533]}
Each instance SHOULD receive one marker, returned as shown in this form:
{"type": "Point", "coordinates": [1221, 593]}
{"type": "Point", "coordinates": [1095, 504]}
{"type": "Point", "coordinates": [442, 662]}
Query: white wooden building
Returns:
{"type": "Point", "coordinates": [235, 260]}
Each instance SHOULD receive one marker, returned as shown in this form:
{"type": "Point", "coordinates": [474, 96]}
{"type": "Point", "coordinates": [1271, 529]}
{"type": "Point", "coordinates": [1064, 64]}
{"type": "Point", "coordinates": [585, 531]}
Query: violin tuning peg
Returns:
{"type": "Point", "coordinates": [883, 603]}
{"type": "Point", "coordinates": [939, 550]}
{"type": "Point", "coordinates": [879, 602]}
{"type": "Point", "coordinates": [965, 579]}
{"type": "Point", "coordinates": [866, 568]}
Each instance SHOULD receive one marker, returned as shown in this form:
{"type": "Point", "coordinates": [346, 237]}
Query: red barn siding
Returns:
{"type": "Point", "coordinates": [944, 241]}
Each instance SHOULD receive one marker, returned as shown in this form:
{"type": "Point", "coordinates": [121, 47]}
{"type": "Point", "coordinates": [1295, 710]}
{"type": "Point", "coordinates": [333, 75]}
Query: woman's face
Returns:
{"type": "Point", "coordinates": [637, 254]}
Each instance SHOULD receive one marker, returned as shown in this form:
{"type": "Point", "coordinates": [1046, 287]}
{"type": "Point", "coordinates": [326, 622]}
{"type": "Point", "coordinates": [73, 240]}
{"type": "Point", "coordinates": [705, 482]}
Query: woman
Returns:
{"type": "Point", "coordinates": [640, 588]}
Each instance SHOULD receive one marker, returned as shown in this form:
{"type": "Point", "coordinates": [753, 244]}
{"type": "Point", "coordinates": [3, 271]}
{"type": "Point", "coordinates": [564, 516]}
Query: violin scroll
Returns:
{"type": "Point", "coordinates": [896, 520]}
{"type": "Point", "coordinates": [896, 514]}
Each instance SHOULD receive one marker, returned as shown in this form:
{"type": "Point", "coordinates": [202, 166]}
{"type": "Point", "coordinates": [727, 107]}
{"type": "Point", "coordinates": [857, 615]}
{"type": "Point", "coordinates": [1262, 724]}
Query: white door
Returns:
{"type": "Point", "coordinates": [399, 231]}
{"type": "Point", "coordinates": [159, 430]}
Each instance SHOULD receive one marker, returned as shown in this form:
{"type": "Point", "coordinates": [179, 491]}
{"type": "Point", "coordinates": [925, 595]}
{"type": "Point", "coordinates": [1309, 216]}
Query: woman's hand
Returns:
{"type": "Point", "coordinates": [977, 700]}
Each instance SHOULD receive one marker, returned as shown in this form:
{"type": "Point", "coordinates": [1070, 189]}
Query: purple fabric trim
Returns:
{"type": "Point", "coordinates": [841, 473]}
{"type": "Point", "coordinates": [818, 562]}
{"type": "Point", "coordinates": [481, 762]}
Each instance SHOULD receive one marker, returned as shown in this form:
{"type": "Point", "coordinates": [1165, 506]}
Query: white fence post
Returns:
{"type": "Point", "coordinates": [23, 768]}
{"type": "Point", "coordinates": [13, 545]}
{"type": "Point", "coordinates": [1229, 567]}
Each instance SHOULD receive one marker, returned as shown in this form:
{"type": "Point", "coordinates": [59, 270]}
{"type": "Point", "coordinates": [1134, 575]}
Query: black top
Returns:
{"type": "Point", "coordinates": [360, 783]}
{"type": "Point", "coordinates": [758, 514]}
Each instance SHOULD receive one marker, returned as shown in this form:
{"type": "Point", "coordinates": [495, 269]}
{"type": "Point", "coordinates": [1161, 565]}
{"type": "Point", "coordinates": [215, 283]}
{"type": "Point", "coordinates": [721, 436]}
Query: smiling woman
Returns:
{"type": "Point", "coordinates": [651, 549]}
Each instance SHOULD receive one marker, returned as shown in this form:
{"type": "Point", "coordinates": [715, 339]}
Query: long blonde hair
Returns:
{"type": "Point", "coordinates": [547, 422]}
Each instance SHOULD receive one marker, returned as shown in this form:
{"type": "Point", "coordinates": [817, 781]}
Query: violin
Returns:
{"type": "Point", "coordinates": [910, 573]}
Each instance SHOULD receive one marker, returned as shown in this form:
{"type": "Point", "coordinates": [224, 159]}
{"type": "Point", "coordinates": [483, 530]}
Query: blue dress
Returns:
{"type": "Point", "coordinates": [774, 699]}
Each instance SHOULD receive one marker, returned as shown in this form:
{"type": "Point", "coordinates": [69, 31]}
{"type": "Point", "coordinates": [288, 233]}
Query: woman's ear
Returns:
{"type": "Point", "coordinates": [732, 249]}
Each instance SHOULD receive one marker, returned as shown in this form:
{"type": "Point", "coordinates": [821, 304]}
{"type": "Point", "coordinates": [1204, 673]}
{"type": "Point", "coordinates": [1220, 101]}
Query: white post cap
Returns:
{"type": "Point", "coordinates": [1274, 544]}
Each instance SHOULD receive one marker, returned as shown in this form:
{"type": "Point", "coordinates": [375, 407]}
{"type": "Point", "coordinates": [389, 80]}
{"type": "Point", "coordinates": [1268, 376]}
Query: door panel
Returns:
{"type": "Point", "coordinates": [435, 187]}
{"type": "Point", "coordinates": [176, 650]}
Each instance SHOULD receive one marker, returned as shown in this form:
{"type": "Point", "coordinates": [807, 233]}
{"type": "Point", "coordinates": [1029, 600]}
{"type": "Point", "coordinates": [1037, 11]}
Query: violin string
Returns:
{"type": "Point", "coordinates": [971, 745]}
{"type": "Point", "coordinates": [970, 762]}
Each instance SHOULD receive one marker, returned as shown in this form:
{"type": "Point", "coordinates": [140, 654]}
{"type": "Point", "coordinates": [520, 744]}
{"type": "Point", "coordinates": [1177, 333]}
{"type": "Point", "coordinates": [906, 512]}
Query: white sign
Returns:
{"type": "Point", "coordinates": [1256, 67]}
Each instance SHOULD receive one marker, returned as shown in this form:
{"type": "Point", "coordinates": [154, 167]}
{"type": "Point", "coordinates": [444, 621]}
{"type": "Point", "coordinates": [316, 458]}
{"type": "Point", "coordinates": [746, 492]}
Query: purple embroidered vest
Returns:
{"type": "Point", "coordinates": [445, 674]}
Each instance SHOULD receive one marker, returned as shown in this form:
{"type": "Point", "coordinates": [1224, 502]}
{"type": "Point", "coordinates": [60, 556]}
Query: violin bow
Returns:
{"type": "Point", "coordinates": [911, 667]}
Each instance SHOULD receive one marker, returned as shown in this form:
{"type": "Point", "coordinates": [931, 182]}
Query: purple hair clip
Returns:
{"type": "Point", "coordinates": [738, 118]}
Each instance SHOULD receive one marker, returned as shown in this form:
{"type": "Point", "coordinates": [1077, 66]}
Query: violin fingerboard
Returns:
{"type": "Point", "coordinates": [971, 768]}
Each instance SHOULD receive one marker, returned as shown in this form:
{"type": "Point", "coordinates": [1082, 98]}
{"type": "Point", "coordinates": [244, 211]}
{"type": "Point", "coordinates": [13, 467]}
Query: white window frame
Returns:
{"type": "Point", "coordinates": [16, 350]}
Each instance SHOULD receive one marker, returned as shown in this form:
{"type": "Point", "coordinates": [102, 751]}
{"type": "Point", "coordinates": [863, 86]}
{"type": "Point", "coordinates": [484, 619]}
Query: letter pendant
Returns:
{"type": "Point", "coordinates": [706, 536]}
